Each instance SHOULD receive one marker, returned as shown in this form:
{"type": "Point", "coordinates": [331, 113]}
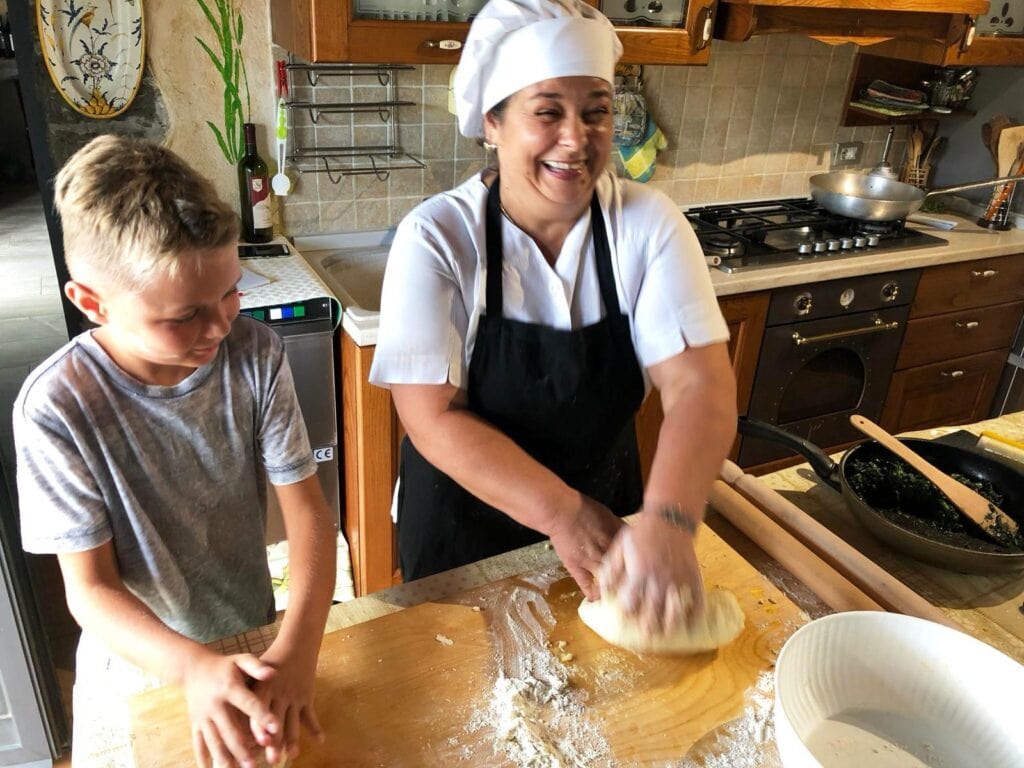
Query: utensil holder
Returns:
{"type": "Point", "coordinates": [997, 214]}
{"type": "Point", "coordinates": [916, 175]}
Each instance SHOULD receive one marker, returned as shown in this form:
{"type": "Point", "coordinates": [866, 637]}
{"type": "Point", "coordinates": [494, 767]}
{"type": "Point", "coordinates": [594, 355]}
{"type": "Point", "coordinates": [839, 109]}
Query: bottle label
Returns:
{"type": "Point", "coordinates": [259, 194]}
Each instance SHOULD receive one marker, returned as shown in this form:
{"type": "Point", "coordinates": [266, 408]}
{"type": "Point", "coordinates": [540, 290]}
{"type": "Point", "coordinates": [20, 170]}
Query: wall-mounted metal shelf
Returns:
{"type": "Point", "coordinates": [340, 161]}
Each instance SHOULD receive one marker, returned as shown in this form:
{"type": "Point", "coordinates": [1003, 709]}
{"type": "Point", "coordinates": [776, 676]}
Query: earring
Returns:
{"type": "Point", "coordinates": [490, 154]}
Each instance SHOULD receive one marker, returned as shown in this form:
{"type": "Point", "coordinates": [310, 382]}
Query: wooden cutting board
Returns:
{"type": "Point", "coordinates": [417, 688]}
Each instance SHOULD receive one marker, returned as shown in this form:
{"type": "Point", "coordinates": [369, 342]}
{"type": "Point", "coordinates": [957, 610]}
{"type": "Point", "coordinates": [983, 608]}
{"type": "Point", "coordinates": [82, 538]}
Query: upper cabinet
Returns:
{"type": "Point", "coordinates": [433, 31]}
{"type": "Point", "coordinates": [864, 22]}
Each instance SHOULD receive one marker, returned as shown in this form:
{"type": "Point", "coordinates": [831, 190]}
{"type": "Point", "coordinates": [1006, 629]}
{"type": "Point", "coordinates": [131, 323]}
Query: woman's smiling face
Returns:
{"type": "Point", "coordinates": [554, 139]}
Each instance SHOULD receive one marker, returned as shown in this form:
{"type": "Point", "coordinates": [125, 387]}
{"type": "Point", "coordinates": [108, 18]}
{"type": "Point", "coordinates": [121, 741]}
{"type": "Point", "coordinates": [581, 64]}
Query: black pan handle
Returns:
{"type": "Point", "coordinates": [820, 462]}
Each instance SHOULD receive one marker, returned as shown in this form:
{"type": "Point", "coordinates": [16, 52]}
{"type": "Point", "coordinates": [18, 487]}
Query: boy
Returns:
{"type": "Point", "coordinates": [143, 450]}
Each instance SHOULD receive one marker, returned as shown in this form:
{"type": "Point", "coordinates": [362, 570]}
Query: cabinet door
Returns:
{"type": "Point", "coordinates": [334, 30]}
{"type": "Point", "coordinates": [968, 284]}
{"type": "Point", "coordinates": [370, 434]}
{"type": "Point", "coordinates": [745, 316]}
{"type": "Point", "coordinates": [956, 334]}
{"type": "Point", "coordinates": [958, 391]}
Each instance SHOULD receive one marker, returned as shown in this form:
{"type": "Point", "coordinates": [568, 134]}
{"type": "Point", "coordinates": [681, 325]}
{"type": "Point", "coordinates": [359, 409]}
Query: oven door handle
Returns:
{"type": "Point", "coordinates": [877, 327]}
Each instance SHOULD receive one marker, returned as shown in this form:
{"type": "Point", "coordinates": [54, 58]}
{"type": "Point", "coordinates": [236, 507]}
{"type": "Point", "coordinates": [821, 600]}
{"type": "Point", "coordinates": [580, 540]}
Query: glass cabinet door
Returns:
{"type": "Point", "coordinates": [417, 10]}
{"type": "Point", "coordinates": [645, 13]}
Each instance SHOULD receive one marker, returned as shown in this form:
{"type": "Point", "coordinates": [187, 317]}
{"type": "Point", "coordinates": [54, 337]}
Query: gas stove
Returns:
{"type": "Point", "coordinates": [773, 232]}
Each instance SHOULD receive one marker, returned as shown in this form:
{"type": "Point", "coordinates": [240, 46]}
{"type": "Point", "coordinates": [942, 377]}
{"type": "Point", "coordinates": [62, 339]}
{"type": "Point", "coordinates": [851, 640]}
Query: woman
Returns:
{"type": "Point", "coordinates": [522, 315]}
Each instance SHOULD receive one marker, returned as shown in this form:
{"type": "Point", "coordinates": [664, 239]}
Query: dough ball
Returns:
{"type": "Point", "coordinates": [721, 623]}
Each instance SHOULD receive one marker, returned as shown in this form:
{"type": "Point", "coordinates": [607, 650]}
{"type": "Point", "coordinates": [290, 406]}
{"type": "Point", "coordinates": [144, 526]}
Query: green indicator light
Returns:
{"type": "Point", "coordinates": [300, 310]}
{"type": "Point", "coordinates": [258, 314]}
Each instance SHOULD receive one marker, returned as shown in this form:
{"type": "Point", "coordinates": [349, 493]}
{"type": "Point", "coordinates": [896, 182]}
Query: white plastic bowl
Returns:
{"type": "Point", "coordinates": [876, 689]}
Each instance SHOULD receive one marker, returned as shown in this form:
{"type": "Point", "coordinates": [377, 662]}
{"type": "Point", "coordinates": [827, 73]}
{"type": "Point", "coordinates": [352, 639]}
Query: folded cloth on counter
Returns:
{"type": "Point", "coordinates": [638, 160]}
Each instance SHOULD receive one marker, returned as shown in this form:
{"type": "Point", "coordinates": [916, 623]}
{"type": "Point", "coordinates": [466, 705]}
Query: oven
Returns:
{"type": "Point", "coordinates": [828, 351]}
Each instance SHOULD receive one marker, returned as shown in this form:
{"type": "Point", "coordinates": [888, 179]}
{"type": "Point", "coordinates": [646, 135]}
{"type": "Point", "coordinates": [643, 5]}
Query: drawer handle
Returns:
{"type": "Point", "coordinates": [984, 273]}
{"type": "Point", "coordinates": [952, 374]}
{"type": "Point", "coordinates": [969, 325]}
{"type": "Point", "coordinates": [444, 45]}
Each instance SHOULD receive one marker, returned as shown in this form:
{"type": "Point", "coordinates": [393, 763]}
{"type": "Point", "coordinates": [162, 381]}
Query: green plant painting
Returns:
{"type": "Point", "coordinates": [226, 56]}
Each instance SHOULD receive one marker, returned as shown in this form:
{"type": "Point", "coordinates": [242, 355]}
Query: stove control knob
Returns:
{"type": "Point", "coordinates": [873, 240]}
{"type": "Point", "coordinates": [846, 298]}
{"type": "Point", "coordinates": [802, 304]}
{"type": "Point", "coordinates": [833, 245]}
{"type": "Point", "coordinates": [805, 247]}
{"type": "Point", "coordinates": [890, 291]}
{"type": "Point", "coordinates": [846, 243]}
{"type": "Point", "coordinates": [820, 247]}
{"type": "Point", "coordinates": [860, 241]}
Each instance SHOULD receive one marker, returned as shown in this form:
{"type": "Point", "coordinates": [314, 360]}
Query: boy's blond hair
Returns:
{"type": "Point", "coordinates": [131, 209]}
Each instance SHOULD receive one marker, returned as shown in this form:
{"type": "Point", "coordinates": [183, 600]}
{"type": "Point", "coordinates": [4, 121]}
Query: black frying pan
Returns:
{"type": "Point", "coordinates": [918, 541]}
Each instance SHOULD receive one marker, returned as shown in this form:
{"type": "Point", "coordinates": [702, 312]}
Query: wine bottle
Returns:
{"type": "Point", "coordinates": [254, 191]}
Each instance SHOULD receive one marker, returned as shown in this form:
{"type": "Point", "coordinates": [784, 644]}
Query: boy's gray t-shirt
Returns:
{"type": "Point", "coordinates": [176, 475]}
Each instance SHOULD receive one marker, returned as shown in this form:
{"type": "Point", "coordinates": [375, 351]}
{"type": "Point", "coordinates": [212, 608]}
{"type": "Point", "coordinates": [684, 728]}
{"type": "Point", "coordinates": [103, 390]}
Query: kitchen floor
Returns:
{"type": "Point", "coordinates": [31, 328]}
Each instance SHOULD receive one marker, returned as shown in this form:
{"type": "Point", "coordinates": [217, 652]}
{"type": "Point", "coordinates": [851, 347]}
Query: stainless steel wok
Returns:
{"type": "Point", "coordinates": [877, 198]}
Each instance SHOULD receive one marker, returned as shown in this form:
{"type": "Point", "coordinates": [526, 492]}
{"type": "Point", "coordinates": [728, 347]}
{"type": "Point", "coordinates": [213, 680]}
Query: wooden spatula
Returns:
{"type": "Point", "coordinates": [997, 524]}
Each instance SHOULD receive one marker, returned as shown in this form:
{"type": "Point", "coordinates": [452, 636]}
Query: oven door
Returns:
{"type": "Point", "coordinates": [812, 375]}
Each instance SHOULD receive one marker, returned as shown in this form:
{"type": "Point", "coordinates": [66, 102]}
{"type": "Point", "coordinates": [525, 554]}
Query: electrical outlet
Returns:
{"type": "Point", "coordinates": [847, 153]}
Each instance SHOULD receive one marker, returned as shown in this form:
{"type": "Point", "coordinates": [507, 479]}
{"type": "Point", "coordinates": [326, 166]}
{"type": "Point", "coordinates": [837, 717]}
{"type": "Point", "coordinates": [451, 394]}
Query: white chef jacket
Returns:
{"type": "Point", "coordinates": [435, 282]}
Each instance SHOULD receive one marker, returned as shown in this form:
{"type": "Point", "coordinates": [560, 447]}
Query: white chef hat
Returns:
{"type": "Point", "coordinates": [515, 43]}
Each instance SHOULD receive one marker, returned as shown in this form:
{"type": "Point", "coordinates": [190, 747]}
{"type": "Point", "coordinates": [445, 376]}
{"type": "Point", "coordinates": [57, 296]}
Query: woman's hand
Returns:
{"type": "Point", "coordinates": [229, 721]}
{"type": "Point", "coordinates": [652, 568]}
{"type": "Point", "coordinates": [581, 539]}
{"type": "Point", "coordinates": [289, 694]}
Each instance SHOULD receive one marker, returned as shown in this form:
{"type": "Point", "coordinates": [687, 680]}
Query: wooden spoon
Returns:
{"type": "Point", "coordinates": [997, 524]}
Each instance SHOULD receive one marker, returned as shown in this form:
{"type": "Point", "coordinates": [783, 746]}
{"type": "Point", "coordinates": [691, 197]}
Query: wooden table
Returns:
{"type": "Point", "coordinates": [986, 606]}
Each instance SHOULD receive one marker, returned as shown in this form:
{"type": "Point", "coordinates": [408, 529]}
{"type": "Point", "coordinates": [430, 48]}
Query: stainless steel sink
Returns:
{"type": "Point", "coordinates": [352, 266]}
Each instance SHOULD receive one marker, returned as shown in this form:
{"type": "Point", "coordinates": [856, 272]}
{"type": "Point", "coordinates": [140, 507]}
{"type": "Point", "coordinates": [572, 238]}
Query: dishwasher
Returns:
{"type": "Point", "coordinates": [307, 330]}
{"type": "Point", "coordinates": [285, 293]}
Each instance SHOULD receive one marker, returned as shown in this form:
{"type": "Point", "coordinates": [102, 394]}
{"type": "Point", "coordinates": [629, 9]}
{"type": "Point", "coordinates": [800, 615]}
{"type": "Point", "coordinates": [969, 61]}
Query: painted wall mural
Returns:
{"type": "Point", "coordinates": [226, 55]}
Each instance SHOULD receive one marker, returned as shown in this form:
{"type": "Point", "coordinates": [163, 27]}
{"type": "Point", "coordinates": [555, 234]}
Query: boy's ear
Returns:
{"type": "Point", "coordinates": [87, 300]}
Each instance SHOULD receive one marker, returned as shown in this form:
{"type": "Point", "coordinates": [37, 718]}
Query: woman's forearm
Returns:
{"type": "Point", "coordinates": [695, 437]}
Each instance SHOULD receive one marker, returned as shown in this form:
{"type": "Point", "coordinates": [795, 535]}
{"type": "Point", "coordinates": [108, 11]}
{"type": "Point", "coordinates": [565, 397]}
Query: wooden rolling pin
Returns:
{"type": "Point", "coordinates": [836, 592]}
{"type": "Point", "coordinates": [874, 580]}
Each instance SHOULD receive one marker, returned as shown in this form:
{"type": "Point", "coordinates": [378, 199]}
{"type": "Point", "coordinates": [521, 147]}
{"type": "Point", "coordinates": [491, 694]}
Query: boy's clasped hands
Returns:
{"type": "Point", "coordinates": [242, 704]}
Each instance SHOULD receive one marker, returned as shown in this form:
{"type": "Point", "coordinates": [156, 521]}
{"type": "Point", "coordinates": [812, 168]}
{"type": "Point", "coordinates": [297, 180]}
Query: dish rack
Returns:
{"type": "Point", "coordinates": [339, 161]}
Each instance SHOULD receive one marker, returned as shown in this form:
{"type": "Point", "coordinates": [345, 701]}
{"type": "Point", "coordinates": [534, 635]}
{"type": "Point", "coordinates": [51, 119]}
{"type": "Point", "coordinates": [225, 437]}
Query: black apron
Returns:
{"type": "Point", "coordinates": [568, 398]}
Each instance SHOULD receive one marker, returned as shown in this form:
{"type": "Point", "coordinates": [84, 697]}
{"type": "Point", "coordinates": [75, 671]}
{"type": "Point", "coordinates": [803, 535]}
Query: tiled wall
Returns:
{"type": "Point", "coordinates": [755, 123]}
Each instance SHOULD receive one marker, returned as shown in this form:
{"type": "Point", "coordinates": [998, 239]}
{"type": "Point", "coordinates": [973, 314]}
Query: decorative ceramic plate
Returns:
{"type": "Point", "coordinates": [94, 52]}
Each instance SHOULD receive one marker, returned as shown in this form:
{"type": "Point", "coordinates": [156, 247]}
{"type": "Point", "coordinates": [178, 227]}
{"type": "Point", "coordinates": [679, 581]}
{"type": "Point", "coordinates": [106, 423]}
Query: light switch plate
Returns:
{"type": "Point", "coordinates": [847, 154]}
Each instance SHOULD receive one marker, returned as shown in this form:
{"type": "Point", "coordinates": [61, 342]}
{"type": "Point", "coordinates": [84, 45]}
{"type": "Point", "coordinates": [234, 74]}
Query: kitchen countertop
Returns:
{"type": "Point", "coordinates": [980, 605]}
{"type": "Point", "coordinates": [360, 257]}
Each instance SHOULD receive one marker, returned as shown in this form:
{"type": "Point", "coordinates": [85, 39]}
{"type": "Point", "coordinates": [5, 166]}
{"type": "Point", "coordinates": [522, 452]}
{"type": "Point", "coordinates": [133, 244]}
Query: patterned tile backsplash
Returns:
{"type": "Point", "coordinates": [756, 123]}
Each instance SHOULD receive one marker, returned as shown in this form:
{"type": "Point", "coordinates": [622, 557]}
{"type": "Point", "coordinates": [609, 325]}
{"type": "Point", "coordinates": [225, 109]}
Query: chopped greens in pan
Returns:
{"type": "Point", "coordinates": [904, 496]}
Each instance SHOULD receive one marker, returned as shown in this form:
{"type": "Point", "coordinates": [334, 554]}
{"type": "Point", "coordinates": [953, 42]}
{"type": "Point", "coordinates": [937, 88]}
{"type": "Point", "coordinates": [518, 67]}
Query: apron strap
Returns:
{"type": "Point", "coordinates": [605, 275]}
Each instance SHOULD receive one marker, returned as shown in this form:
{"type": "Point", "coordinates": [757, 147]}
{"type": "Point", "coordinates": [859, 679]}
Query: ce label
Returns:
{"type": "Point", "coordinates": [323, 454]}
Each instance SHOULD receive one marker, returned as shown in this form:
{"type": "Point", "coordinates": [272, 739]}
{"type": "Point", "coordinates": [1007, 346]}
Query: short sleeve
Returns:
{"type": "Point", "coordinates": [423, 317]}
{"type": "Point", "coordinates": [60, 506]}
{"type": "Point", "coordinates": [676, 305]}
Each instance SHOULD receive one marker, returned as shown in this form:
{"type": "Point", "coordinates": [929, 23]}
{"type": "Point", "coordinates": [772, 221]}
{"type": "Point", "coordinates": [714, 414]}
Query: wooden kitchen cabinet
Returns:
{"type": "Point", "coordinates": [329, 31]}
{"type": "Point", "coordinates": [991, 51]}
{"type": "Point", "coordinates": [371, 434]}
{"type": "Point", "coordinates": [962, 322]}
{"type": "Point", "coordinates": [745, 315]}
{"type": "Point", "coordinates": [864, 22]}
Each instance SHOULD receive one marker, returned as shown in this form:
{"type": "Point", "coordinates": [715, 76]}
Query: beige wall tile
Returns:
{"type": "Point", "coordinates": [756, 122]}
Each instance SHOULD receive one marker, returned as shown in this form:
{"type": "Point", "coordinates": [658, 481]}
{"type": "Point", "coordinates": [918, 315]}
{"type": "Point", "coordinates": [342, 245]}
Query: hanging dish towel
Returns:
{"type": "Point", "coordinates": [94, 52]}
{"type": "Point", "coordinates": [638, 160]}
{"type": "Point", "coordinates": [636, 137]}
